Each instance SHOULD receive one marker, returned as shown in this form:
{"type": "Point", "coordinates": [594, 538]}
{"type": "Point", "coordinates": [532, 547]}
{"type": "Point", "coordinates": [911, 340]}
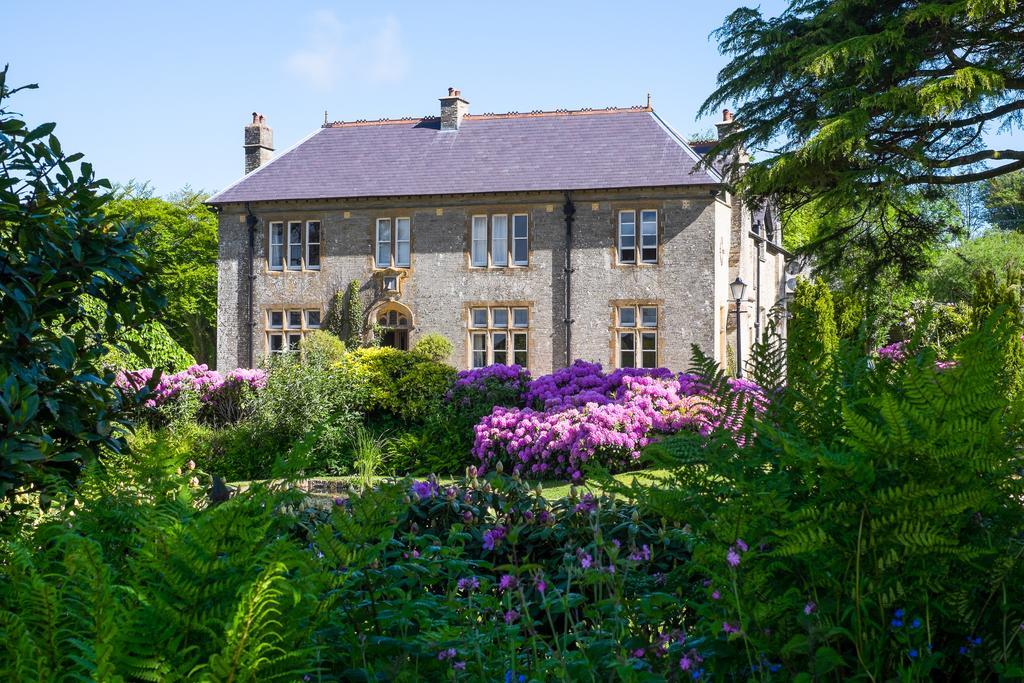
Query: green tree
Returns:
{"type": "Point", "coordinates": [58, 251]}
{"type": "Point", "coordinates": [812, 339]}
{"type": "Point", "coordinates": [1004, 201]}
{"type": "Point", "coordinates": [353, 316]}
{"type": "Point", "coordinates": [182, 248]}
{"type": "Point", "coordinates": [870, 105]}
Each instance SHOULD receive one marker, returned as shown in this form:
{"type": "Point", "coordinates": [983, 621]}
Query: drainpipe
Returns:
{"type": "Point", "coordinates": [569, 210]}
{"type": "Point", "coordinates": [250, 221]}
{"type": "Point", "coordinates": [759, 246]}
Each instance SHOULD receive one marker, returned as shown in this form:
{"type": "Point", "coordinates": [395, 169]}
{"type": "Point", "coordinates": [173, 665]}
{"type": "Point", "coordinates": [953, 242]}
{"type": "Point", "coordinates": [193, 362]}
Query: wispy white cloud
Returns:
{"type": "Point", "coordinates": [337, 52]}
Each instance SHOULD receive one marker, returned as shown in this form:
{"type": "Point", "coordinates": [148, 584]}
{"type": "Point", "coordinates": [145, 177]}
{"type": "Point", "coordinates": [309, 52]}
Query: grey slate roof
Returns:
{"type": "Point", "coordinates": [576, 150]}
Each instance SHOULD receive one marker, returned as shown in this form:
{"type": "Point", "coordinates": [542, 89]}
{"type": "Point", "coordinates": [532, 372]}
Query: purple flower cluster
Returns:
{"type": "Point", "coordinates": [896, 352]}
{"type": "Point", "coordinates": [582, 383]}
{"type": "Point", "coordinates": [580, 413]}
{"type": "Point", "coordinates": [495, 384]}
{"type": "Point", "coordinates": [221, 393]}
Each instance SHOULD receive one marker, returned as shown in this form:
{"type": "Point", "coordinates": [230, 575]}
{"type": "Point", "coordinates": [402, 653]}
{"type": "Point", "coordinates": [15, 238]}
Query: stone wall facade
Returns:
{"type": "Point", "coordinates": [688, 284]}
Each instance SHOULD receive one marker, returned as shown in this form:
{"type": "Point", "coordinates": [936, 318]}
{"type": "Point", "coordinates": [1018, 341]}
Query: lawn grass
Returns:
{"type": "Point", "coordinates": [552, 489]}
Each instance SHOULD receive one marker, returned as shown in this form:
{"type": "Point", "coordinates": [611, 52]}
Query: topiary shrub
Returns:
{"type": "Point", "coordinates": [434, 346]}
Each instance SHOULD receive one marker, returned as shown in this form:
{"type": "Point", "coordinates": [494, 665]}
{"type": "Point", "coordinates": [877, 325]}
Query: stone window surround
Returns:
{"type": "Point", "coordinates": [489, 214]}
{"type": "Point", "coordinates": [616, 329]}
{"type": "Point", "coordinates": [305, 219]}
{"type": "Point", "coordinates": [285, 330]}
{"type": "Point", "coordinates": [637, 211]}
{"type": "Point", "coordinates": [490, 329]}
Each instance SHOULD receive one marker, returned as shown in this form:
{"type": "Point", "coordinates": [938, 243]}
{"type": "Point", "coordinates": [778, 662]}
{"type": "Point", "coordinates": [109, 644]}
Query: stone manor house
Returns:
{"type": "Point", "coordinates": [530, 238]}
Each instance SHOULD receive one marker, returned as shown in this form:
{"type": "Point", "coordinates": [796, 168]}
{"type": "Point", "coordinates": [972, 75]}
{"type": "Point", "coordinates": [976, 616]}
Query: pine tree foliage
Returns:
{"type": "Point", "coordinates": [901, 496]}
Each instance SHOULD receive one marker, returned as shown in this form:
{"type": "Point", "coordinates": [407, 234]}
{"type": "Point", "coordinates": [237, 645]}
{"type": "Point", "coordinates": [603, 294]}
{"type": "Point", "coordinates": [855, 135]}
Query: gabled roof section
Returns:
{"type": "Point", "coordinates": [514, 152]}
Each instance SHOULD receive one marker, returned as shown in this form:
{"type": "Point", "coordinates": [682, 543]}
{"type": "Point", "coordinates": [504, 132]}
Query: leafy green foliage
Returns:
{"type": "Point", "coordinates": [956, 271]}
{"type": "Point", "coordinates": [876, 103]}
{"type": "Point", "coordinates": [813, 340]}
{"type": "Point", "coordinates": [1004, 201]}
{"type": "Point", "coordinates": [181, 248]}
{"type": "Point", "coordinates": [876, 535]}
{"type": "Point", "coordinates": [57, 250]}
{"type": "Point", "coordinates": [434, 346]}
{"type": "Point", "coordinates": [147, 582]}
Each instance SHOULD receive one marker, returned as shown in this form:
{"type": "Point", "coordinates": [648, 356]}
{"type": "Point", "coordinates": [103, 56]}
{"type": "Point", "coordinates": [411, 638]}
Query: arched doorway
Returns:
{"type": "Point", "coordinates": [392, 324]}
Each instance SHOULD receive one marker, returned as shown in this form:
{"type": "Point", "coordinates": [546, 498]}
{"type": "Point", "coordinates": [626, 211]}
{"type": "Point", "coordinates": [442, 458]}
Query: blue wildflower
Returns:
{"type": "Point", "coordinates": [976, 641]}
{"type": "Point", "coordinates": [900, 613]}
{"type": "Point", "coordinates": [963, 650]}
{"type": "Point", "coordinates": [916, 623]}
{"type": "Point", "coordinates": [913, 654]}
{"type": "Point", "coordinates": [897, 623]}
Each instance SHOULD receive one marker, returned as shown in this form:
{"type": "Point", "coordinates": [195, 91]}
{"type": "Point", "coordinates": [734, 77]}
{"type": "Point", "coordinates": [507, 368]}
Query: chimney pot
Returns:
{"type": "Point", "coordinates": [726, 115]}
{"type": "Point", "coordinates": [258, 143]}
{"type": "Point", "coordinates": [451, 91]}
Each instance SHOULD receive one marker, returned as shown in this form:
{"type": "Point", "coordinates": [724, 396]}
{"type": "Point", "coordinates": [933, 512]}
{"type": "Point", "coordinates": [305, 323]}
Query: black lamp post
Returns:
{"type": "Point", "coordinates": [738, 288]}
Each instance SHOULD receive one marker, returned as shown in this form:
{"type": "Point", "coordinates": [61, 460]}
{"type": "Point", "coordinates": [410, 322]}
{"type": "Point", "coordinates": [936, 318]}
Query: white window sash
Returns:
{"type": "Point", "coordinates": [627, 236]}
{"type": "Point", "coordinates": [275, 256]}
{"type": "Point", "coordinates": [479, 242]}
{"type": "Point", "coordinates": [313, 245]}
{"type": "Point", "coordinates": [520, 240]}
{"type": "Point", "coordinates": [499, 240]}
{"type": "Point", "coordinates": [382, 254]}
{"type": "Point", "coordinates": [295, 245]}
{"type": "Point", "coordinates": [403, 236]}
{"type": "Point", "coordinates": [649, 236]}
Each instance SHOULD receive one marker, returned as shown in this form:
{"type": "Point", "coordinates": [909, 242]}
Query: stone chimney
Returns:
{"type": "Point", "coordinates": [453, 108]}
{"type": "Point", "coordinates": [725, 125]}
{"type": "Point", "coordinates": [259, 143]}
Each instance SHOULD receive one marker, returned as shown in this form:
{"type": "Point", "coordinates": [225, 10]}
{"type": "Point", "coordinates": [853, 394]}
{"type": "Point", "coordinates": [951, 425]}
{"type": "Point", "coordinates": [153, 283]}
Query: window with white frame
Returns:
{"type": "Point", "coordinates": [293, 245]}
{"type": "Point", "coordinates": [496, 244]}
{"type": "Point", "coordinates": [393, 243]}
{"type": "Point", "coordinates": [499, 335]}
{"type": "Point", "coordinates": [275, 253]}
{"type": "Point", "coordinates": [636, 335]}
{"type": "Point", "coordinates": [286, 327]}
{"type": "Point", "coordinates": [313, 245]}
{"type": "Point", "coordinates": [638, 244]}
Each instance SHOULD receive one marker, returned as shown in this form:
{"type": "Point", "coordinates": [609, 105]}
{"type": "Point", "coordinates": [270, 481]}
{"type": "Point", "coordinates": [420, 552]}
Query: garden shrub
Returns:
{"type": "Point", "coordinates": [323, 348]}
{"type": "Point", "coordinates": [589, 417]}
{"type": "Point", "coordinates": [476, 392]}
{"type": "Point", "coordinates": [485, 580]}
{"type": "Point", "coordinates": [434, 346]}
{"type": "Point", "coordinates": [58, 251]}
{"type": "Point", "coordinates": [422, 389]}
{"type": "Point", "coordinates": [300, 395]}
{"type": "Point", "coordinates": [400, 385]}
{"type": "Point", "coordinates": [876, 536]}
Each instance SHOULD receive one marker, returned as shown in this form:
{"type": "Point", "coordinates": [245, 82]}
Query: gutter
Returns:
{"type": "Point", "coordinates": [569, 211]}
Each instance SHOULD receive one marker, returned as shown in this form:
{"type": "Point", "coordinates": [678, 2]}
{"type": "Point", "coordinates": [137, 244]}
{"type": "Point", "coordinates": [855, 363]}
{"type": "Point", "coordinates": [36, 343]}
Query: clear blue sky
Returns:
{"type": "Point", "coordinates": [160, 91]}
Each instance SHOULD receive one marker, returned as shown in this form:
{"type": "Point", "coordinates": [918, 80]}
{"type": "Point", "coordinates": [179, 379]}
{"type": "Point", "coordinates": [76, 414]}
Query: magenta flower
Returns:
{"type": "Point", "coordinates": [741, 545]}
{"type": "Point", "coordinates": [715, 595]}
{"type": "Point", "coordinates": [507, 581]}
{"type": "Point", "coordinates": [810, 608]}
{"type": "Point", "coordinates": [539, 584]}
{"type": "Point", "coordinates": [733, 558]}
{"type": "Point", "coordinates": [729, 628]}
{"type": "Point", "coordinates": [685, 663]}
{"type": "Point", "coordinates": [511, 616]}
{"type": "Point", "coordinates": [586, 561]}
